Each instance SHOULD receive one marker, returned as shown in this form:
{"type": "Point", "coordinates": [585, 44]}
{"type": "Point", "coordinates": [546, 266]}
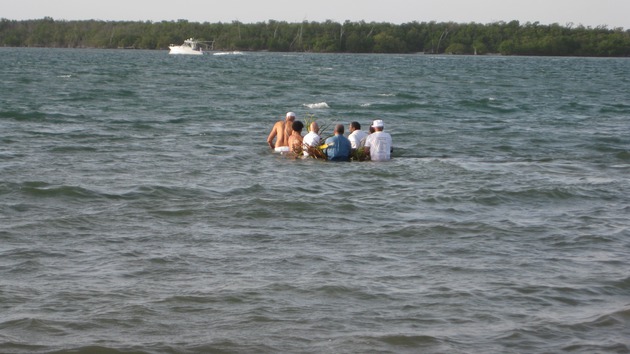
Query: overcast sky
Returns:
{"type": "Point", "coordinates": [612, 13]}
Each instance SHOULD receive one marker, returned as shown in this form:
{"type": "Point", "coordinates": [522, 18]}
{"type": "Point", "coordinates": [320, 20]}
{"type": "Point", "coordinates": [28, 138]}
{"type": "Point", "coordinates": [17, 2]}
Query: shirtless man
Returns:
{"type": "Point", "coordinates": [296, 140]}
{"type": "Point", "coordinates": [281, 132]}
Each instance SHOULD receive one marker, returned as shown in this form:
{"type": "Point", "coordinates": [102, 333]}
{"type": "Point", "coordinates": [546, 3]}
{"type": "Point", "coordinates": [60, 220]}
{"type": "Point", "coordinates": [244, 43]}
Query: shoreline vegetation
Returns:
{"type": "Point", "coordinates": [504, 38]}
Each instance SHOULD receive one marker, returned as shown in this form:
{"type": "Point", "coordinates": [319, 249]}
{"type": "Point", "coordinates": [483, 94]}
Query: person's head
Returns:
{"type": "Point", "coordinates": [378, 125]}
{"type": "Point", "coordinates": [339, 129]}
{"type": "Point", "coordinates": [371, 129]}
{"type": "Point", "coordinates": [297, 126]}
{"type": "Point", "coordinates": [354, 126]}
{"type": "Point", "coordinates": [290, 117]}
{"type": "Point", "coordinates": [315, 127]}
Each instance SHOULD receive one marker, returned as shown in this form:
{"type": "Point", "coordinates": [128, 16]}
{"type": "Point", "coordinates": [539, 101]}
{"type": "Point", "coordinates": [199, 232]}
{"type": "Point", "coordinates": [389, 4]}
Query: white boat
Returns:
{"type": "Point", "coordinates": [190, 47]}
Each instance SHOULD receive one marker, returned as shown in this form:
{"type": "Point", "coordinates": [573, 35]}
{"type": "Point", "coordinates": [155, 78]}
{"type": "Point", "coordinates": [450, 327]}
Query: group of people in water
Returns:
{"type": "Point", "coordinates": [286, 138]}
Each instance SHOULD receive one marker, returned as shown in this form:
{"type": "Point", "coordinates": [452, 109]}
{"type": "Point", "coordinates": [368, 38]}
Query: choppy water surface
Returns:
{"type": "Point", "coordinates": [141, 210]}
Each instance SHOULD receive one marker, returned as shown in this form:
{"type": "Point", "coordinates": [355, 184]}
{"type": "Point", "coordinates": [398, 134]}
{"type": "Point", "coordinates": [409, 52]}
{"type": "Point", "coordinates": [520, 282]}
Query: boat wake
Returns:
{"type": "Point", "coordinates": [228, 53]}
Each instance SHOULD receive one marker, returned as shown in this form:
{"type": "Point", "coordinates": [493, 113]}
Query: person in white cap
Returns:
{"type": "Point", "coordinates": [281, 132]}
{"type": "Point", "coordinates": [378, 144]}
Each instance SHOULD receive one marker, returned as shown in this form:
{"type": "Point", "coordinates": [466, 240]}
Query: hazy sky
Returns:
{"type": "Point", "coordinates": [612, 13]}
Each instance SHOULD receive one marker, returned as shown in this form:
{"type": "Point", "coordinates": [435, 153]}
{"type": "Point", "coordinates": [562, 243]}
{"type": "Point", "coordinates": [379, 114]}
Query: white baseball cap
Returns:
{"type": "Point", "coordinates": [290, 114]}
{"type": "Point", "coordinates": [377, 124]}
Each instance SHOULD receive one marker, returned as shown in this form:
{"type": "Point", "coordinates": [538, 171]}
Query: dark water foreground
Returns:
{"type": "Point", "coordinates": [141, 211]}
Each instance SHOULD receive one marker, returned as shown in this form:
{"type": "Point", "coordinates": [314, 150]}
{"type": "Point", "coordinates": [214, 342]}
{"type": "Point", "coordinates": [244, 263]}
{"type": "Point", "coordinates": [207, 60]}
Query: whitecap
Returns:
{"type": "Point", "coordinates": [366, 105]}
{"type": "Point", "coordinates": [320, 105]}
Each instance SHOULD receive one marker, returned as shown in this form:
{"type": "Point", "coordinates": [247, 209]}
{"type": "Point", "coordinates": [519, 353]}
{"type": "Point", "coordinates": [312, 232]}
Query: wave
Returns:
{"type": "Point", "coordinates": [22, 116]}
{"type": "Point", "coordinates": [38, 189]}
{"type": "Point", "coordinates": [411, 341]}
{"type": "Point", "coordinates": [73, 149]}
{"type": "Point", "coordinates": [486, 196]}
{"type": "Point", "coordinates": [14, 346]}
{"type": "Point", "coordinates": [37, 116]}
{"type": "Point", "coordinates": [101, 350]}
{"type": "Point", "coordinates": [618, 108]}
{"type": "Point", "coordinates": [387, 108]}
{"type": "Point", "coordinates": [622, 286]}
{"type": "Point", "coordinates": [43, 189]}
{"type": "Point", "coordinates": [228, 53]}
{"type": "Point", "coordinates": [592, 348]}
{"type": "Point", "coordinates": [320, 105]}
{"type": "Point", "coordinates": [623, 155]}
{"type": "Point", "coordinates": [489, 104]}
{"type": "Point", "coordinates": [606, 341]}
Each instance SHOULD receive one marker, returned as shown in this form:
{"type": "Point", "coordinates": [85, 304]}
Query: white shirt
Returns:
{"type": "Point", "coordinates": [380, 144]}
{"type": "Point", "coordinates": [310, 139]}
{"type": "Point", "coordinates": [357, 138]}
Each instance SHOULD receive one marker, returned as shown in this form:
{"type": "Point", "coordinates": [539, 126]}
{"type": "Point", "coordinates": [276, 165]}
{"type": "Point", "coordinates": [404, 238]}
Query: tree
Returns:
{"type": "Point", "coordinates": [510, 38]}
{"type": "Point", "coordinates": [386, 43]}
{"type": "Point", "coordinates": [456, 48]}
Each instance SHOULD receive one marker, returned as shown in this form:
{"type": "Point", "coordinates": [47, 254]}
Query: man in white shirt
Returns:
{"type": "Point", "coordinates": [357, 136]}
{"type": "Point", "coordinates": [378, 144]}
{"type": "Point", "coordinates": [312, 138]}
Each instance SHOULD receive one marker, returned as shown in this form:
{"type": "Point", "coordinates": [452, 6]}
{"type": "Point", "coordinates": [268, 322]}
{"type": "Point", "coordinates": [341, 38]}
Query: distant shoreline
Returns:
{"type": "Point", "coordinates": [498, 38]}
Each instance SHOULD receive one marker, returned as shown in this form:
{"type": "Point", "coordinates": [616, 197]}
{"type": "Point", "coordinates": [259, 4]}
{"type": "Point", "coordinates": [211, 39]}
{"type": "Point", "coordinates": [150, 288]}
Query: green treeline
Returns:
{"type": "Point", "coordinates": [511, 38]}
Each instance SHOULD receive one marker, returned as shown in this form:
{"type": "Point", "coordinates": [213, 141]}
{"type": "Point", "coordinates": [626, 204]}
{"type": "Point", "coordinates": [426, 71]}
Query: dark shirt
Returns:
{"type": "Point", "coordinates": [338, 148]}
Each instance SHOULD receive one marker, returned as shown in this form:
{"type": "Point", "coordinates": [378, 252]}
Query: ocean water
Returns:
{"type": "Point", "coordinates": [141, 210]}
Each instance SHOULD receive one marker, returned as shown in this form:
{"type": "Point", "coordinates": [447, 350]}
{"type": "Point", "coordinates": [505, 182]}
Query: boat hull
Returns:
{"type": "Point", "coordinates": [182, 50]}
